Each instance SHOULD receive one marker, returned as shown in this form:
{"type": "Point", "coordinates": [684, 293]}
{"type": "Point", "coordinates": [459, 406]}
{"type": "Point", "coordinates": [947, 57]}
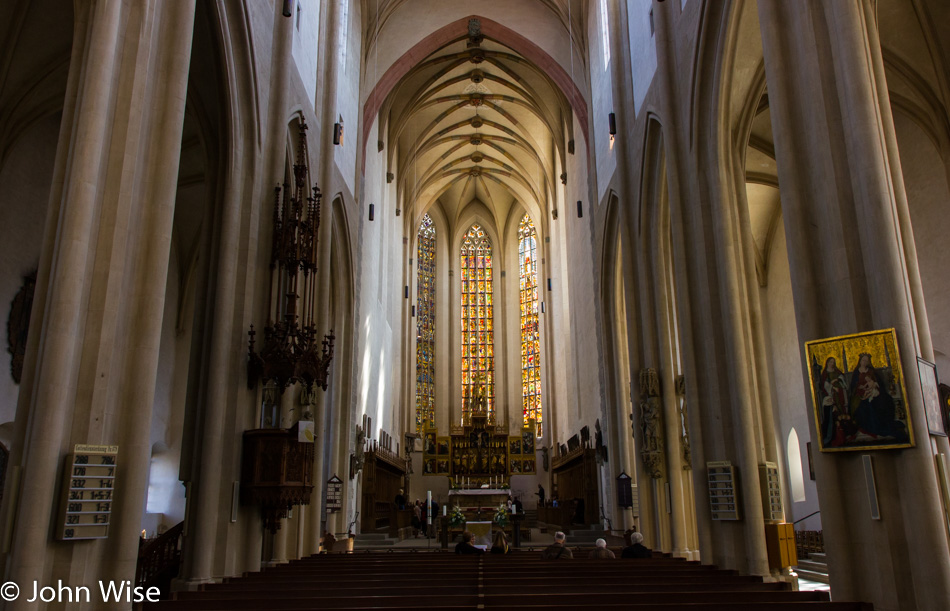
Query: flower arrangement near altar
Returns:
{"type": "Point", "coordinates": [456, 517]}
{"type": "Point", "coordinates": [501, 516]}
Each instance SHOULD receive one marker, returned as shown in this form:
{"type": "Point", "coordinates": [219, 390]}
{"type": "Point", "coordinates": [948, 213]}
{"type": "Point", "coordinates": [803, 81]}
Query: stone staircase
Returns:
{"type": "Point", "coordinates": [814, 568]}
{"type": "Point", "coordinates": [530, 518]}
{"type": "Point", "coordinates": [585, 536]}
{"type": "Point", "coordinates": [373, 540]}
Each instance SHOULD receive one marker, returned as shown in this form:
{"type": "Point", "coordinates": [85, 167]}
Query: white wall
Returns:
{"type": "Point", "coordinates": [789, 396]}
{"type": "Point", "coordinates": [306, 37]}
{"type": "Point", "coordinates": [380, 295]}
{"type": "Point", "coordinates": [928, 197]}
{"type": "Point", "coordinates": [601, 98]}
{"type": "Point", "coordinates": [347, 93]}
{"type": "Point", "coordinates": [642, 49]}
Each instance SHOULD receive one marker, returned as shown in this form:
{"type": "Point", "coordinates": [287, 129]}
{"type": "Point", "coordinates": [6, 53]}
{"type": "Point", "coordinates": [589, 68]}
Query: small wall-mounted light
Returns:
{"type": "Point", "coordinates": [413, 311]}
{"type": "Point", "coordinates": [288, 9]}
{"type": "Point", "coordinates": [542, 307]}
{"type": "Point", "coordinates": [372, 212]}
{"type": "Point", "coordinates": [338, 132]}
{"type": "Point", "coordinates": [406, 292]}
{"type": "Point", "coordinates": [612, 124]}
{"type": "Point", "coordinates": [549, 284]}
{"type": "Point", "coordinates": [580, 209]}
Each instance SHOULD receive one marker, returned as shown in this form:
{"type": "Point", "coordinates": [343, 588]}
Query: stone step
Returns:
{"type": "Point", "coordinates": [374, 543]}
{"type": "Point", "coordinates": [812, 576]}
{"type": "Point", "coordinates": [813, 566]}
{"type": "Point", "coordinates": [371, 536]}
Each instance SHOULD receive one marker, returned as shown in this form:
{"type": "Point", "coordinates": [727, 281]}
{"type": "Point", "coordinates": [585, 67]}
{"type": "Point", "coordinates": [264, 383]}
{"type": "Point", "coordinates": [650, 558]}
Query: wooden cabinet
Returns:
{"type": "Point", "coordinates": [780, 543]}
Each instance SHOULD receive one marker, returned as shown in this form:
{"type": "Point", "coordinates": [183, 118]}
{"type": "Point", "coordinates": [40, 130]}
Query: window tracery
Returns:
{"type": "Point", "coordinates": [477, 320]}
{"type": "Point", "coordinates": [530, 335]}
{"type": "Point", "coordinates": [425, 326]}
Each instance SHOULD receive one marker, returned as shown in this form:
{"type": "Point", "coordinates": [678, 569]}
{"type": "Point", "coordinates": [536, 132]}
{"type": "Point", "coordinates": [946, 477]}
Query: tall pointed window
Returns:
{"type": "Point", "coordinates": [425, 327]}
{"type": "Point", "coordinates": [530, 336]}
{"type": "Point", "coordinates": [477, 330]}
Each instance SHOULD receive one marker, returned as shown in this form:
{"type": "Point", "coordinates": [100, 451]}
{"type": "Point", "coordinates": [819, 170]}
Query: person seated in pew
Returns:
{"type": "Point", "coordinates": [465, 545]}
{"type": "Point", "coordinates": [601, 552]}
{"type": "Point", "coordinates": [637, 549]}
{"type": "Point", "coordinates": [557, 550]}
{"type": "Point", "coordinates": [499, 544]}
{"type": "Point", "coordinates": [328, 541]}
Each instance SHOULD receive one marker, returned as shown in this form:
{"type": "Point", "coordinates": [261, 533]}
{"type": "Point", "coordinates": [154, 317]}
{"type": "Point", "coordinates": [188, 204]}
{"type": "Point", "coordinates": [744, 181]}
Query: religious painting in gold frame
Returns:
{"type": "Point", "coordinates": [858, 392]}
{"type": "Point", "coordinates": [442, 445]}
{"type": "Point", "coordinates": [528, 466]}
{"type": "Point", "coordinates": [428, 443]}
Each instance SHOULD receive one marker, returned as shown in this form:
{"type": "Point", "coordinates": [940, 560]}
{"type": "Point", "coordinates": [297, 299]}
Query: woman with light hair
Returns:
{"type": "Point", "coordinates": [637, 549]}
{"type": "Point", "coordinates": [601, 552]}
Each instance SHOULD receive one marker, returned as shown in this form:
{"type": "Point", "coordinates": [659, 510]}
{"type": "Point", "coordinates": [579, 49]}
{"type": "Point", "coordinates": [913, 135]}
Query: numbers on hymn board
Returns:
{"type": "Point", "coordinates": [89, 480]}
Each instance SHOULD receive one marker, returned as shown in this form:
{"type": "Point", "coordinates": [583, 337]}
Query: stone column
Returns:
{"type": "Point", "coordinates": [104, 265]}
{"type": "Point", "coordinates": [621, 68]}
{"type": "Point", "coordinates": [713, 311]}
{"type": "Point", "coordinates": [150, 236]}
{"type": "Point", "coordinates": [853, 269]}
{"type": "Point", "coordinates": [312, 526]}
{"type": "Point", "coordinates": [203, 538]}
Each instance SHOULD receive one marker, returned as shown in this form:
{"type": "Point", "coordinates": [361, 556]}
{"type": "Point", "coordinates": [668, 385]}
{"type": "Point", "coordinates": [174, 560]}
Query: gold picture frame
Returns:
{"type": "Point", "coordinates": [858, 392]}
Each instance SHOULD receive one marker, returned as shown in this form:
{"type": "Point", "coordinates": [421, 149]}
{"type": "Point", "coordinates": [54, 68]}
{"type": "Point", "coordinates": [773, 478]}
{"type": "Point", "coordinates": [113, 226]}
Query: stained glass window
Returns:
{"type": "Point", "coordinates": [425, 327]}
{"type": "Point", "coordinates": [477, 329]}
{"type": "Point", "coordinates": [530, 336]}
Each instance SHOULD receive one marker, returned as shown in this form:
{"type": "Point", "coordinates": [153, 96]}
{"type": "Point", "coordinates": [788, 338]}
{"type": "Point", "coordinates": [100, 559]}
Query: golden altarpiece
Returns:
{"type": "Point", "coordinates": [479, 451]}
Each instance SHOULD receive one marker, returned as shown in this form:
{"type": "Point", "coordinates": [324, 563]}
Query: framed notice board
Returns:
{"type": "Point", "coordinates": [723, 502]}
{"type": "Point", "coordinates": [87, 493]}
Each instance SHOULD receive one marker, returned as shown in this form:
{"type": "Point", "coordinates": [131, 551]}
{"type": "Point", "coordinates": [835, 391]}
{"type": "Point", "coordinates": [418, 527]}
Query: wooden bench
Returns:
{"type": "Point", "coordinates": [515, 581]}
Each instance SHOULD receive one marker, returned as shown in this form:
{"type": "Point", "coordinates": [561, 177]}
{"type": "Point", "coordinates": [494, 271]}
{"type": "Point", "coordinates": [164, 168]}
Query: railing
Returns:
{"type": "Point", "coordinates": [809, 542]}
{"type": "Point", "coordinates": [159, 560]}
{"type": "Point", "coordinates": [814, 513]}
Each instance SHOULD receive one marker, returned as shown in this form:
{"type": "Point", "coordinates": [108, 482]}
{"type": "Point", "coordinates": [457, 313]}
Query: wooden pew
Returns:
{"type": "Point", "coordinates": [515, 581]}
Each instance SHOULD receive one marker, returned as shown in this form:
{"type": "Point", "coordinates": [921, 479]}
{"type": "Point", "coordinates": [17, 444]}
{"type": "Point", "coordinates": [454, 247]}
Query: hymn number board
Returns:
{"type": "Point", "coordinates": [88, 492]}
{"type": "Point", "coordinates": [722, 490]}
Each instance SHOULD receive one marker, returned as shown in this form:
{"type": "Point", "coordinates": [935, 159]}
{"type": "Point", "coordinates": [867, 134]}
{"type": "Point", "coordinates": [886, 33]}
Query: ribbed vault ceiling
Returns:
{"type": "Point", "coordinates": [475, 122]}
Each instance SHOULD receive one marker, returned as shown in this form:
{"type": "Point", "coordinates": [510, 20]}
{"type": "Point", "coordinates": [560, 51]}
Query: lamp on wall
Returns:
{"type": "Point", "coordinates": [580, 209]}
{"type": "Point", "coordinates": [288, 9]}
{"type": "Point", "coordinates": [293, 350]}
{"type": "Point", "coordinates": [372, 212]}
{"type": "Point", "coordinates": [338, 132]}
{"type": "Point", "coordinates": [612, 125]}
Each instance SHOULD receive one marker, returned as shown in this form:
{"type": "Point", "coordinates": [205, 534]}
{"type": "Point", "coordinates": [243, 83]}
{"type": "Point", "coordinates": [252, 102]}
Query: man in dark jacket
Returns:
{"type": "Point", "coordinates": [636, 550]}
{"type": "Point", "coordinates": [557, 549]}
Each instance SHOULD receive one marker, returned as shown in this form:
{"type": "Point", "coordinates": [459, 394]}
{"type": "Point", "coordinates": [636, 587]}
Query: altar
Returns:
{"type": "Point", "coordinates": [485, 498]}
